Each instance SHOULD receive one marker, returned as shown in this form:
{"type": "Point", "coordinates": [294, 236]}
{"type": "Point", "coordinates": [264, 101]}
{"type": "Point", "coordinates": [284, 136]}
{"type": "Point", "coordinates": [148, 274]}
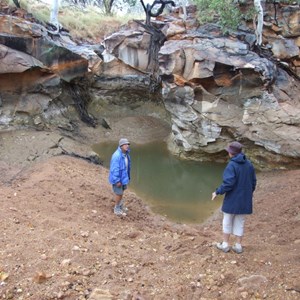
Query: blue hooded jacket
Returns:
{"type": "Point", "coordinates": [117, 170]}
{"type": "Point", "coordinates": [239, 182]}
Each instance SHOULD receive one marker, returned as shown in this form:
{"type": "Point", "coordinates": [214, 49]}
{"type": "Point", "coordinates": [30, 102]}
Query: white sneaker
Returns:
{"type": "Point", "coordinates": [118, 211]}
{"type": "Point", "coordinates": [124, 208]}
{"type": "Point", "coordinates": [237, 249]}
{"type": "Point", "coordinates": [222, 248]}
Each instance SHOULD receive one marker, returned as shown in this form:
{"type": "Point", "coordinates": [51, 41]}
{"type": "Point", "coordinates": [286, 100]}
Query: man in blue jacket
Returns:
{"type": "Point", "coordinates": [239, 182]}
{"type": "Point", "coordinates": [119, 175]}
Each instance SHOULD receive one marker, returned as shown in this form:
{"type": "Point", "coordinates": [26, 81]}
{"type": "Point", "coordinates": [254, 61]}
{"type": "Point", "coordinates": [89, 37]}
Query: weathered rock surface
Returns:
{"type": "Point", "coordinates": [34, 64]}
{"type": "Point", "coordinates": [217, 88]}
{"type": "Point", "coordinates": [49, 79]}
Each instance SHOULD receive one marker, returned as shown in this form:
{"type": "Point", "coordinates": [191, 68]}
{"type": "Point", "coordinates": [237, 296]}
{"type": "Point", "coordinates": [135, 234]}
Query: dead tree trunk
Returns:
{"type": "Point", "coordinates": [260, 21]}
{"type": "Point", "coordinates": [157, 38]}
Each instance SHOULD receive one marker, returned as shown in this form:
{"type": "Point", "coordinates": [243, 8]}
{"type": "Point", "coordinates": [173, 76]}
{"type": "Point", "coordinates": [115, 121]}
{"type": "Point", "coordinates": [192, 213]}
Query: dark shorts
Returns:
{"type": "Point", "coordinates": [118, 190]}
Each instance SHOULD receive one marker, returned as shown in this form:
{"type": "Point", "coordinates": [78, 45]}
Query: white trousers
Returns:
{"type": "Point", "coordinates": [233, 224]}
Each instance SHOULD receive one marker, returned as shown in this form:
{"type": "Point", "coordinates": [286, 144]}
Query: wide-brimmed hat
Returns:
{"type": "Point", "coordinates": [123, 142]}
{"type": "Point", "coordinates": [234, 148]}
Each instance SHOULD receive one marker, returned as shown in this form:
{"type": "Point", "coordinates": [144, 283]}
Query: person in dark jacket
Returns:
{"type": "Point", "coordinates": [239, 182]}
{"type": "Point", "coordinates": [119, 175]}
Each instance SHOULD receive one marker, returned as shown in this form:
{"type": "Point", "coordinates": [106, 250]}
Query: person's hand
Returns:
{"type": "Point", "coordinates": [213, 196]}
{"type": "Point", "coordinates": [118, 184]}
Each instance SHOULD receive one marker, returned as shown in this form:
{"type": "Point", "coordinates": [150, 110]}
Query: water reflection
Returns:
{"type": "Point", "coordinates": [181, 190]}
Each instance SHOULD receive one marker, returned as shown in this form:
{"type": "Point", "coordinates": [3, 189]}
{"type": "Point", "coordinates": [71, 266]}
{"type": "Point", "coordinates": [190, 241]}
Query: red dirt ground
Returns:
{"type": "Point", "coordinates": [60, 239]}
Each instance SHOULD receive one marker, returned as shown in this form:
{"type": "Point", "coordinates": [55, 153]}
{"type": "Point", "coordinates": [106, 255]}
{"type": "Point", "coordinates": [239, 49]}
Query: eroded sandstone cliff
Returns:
{"type": "Point", "coordinates": [212, 88]}
{"type": "Point", "coordinates": [218, 87]}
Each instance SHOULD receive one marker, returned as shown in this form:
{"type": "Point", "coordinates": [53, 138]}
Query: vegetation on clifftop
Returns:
{"type": "Point", "coordinates": [84, 23]}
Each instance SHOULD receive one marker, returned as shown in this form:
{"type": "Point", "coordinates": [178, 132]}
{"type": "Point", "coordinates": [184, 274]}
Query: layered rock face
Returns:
{"type": "Point", "coordinates": [217, 89]}
{"type": "Point", "coordinates": [122, 84]}
{"type": "Point", "coordinates": [47, 79]}
{"type": "Point", "coordinates": [33, 66]}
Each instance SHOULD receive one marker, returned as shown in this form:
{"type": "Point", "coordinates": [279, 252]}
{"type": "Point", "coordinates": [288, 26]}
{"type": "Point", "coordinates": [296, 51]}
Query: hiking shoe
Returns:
{"type": "Point", "coordinates": [222, 248]}
{"type": "Point", "coordinates": [124, 208]}
{"type": "Point", "coordinates": [118, 211]}
{"type": "Point", "coordinates": [237, 249]}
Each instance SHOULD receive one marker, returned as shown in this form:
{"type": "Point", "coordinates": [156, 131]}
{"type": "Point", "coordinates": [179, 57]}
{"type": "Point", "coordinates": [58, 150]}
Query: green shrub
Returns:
{"type": "Point", "coordinates": [227, 13]}
{"type": "Point", "coordinates": [223, 12]}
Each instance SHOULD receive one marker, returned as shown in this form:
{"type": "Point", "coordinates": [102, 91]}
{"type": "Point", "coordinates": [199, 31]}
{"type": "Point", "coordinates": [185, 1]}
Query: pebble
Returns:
{"type": "Point", "coordinates": [75, 248]}
{"type": "Point", "coordinates": [84, 233]}
{"type": "Point", "coordinates": [44, 256]}
{"type": "Point", "coordinates": [244, 295]}
{"type": "Point", "coordinates": [100, 294]}
{"type": "Point", "coordinates": [66, 262]}
{"type": "Point", "coordinates": [40, 277]}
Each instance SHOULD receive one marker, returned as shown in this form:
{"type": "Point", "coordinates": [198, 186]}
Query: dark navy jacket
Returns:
{"type": "Point", "coordinates": [118, 171]}
{"type": "Point", "coordinates": [239, 182]}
